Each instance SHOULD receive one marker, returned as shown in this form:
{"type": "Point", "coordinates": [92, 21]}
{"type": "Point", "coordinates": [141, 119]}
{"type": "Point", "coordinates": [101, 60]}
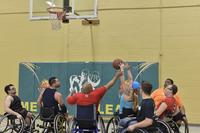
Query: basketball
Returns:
{"type": "Point", "coordinates": [116, 63]}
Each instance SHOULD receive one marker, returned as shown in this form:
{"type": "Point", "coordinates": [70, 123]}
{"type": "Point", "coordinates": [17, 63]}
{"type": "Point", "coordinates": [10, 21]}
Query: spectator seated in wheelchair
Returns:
{"type": "Point", "coordinates": [145, 113]}
{"type": "Point", "coordinates": [13, 107]}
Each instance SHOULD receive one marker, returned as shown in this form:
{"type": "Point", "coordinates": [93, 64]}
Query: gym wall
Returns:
{"type": "Point", "coordinates": [135, 30]}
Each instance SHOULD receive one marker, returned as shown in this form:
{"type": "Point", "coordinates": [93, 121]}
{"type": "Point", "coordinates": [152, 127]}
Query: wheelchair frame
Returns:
{"type": "Point", "coordinates": [12, 123]}
{"type": "Point", "coordinates": [56, 123]}
{"type": "Point", "coordinates": [81, 117]}
{"type": "Point", "coordinates": [164, 129]}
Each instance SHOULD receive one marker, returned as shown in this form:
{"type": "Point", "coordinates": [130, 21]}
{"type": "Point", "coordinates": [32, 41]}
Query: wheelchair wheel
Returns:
{"type": "Point", "coordinates": [173, 125]}
{"type": "Point", "coordinates": [101, 125]}
{"type": "Point", "coordinates": [10, 123]}
{"type": "Point", "coordinates": [60, 124]}
{"type": "Point", "coordinates": [38, 126]}
{"type": "Point", "coordinates": [163, 127]}
{"type": "Point", "coordinates": [34, 128]}
{"type": "Point", "coordinates": [112, 125]}
{"type": "Point", "coordinates": [48, 127]}
{"type": "Point", "coordinates": [183, 127]}
{"type": "Point", "coordinates": [4, 124]}
{"type": "Point", "coordinates": [72, 126]}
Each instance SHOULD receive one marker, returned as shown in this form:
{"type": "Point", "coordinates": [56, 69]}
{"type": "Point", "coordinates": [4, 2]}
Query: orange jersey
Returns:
{"type": "Point", "coordinates": [158, 96]}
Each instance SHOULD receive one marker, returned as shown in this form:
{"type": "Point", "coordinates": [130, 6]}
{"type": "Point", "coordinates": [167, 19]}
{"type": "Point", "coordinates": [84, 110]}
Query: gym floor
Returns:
{"type": "Point", "coordinates": [194, 129]}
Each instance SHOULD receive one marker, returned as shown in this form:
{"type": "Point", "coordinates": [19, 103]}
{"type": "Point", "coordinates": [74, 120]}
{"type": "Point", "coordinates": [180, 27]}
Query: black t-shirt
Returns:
{"type": "Point", "coordinates": [146, 109]}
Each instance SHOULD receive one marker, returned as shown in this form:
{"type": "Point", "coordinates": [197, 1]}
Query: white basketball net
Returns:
{"type": "Point", "coordinates": [55, 21]}
{"type": "Point", "coordinates": [56, 15]}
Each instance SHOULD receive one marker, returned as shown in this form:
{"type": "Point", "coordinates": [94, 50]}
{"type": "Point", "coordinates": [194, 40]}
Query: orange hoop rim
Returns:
{"type": "Point", "coordinates": [59, 11]}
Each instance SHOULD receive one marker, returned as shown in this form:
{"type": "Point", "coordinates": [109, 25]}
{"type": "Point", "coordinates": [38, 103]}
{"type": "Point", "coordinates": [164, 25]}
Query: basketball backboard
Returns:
{"type": "Point", "coordinates": [76, 9]}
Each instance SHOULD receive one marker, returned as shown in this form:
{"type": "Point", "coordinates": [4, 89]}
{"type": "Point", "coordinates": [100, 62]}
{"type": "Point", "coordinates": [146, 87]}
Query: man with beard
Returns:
{"type": "Point", "coordinates": [12, 105]}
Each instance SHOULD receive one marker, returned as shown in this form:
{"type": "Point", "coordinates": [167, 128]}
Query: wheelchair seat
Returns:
{"type": "Point", "coordinates": [86, 116]}
{"type": "Point", "coordinates": [47, 114]}
{"type": "Point", "coordinates": [86, 124]}
{"type": "Point", "coordinates": [87, 120]}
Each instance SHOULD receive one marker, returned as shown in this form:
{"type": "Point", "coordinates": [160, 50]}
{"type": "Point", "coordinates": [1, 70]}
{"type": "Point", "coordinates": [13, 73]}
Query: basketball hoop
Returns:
{"type": "Point", "coordinates": [56, 15]}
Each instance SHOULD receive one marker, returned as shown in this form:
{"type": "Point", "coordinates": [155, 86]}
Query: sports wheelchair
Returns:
{"type": "Point", "coordinates": [183, 126]}
{"type": "Point", "coordinates": [10, 123]}
{"type": "Point", "coordinates": [113, 122]}
{"type": "Point", "coordinates": [87, 120]}
{"type": "Point", "coordinates": [178, 127]}
{"type": "Point", "coordinates": [165, 126]}
{"type": "Point", "coordinates": [48, 121]}
{"type": "Point", "coordinates": [157, 127]}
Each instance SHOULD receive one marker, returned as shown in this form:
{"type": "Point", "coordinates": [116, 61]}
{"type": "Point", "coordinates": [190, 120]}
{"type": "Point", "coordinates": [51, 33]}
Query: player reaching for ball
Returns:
{"type": "Point", "coordinates": [88, 96]}
{"type": "Point", "coordinates": [129, 93]}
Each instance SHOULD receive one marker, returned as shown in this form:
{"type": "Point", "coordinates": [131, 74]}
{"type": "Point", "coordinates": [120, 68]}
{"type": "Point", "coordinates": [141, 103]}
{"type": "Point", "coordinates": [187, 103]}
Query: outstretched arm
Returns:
{"type": "Point", "coordinates": [113, 80]}
{"type": "Point", "coordinates": [130, 77]}
{"type": "Point", "coordinates": [122, 78]}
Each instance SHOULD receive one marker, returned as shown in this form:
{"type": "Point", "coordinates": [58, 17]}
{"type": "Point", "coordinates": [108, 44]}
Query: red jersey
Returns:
{"type": "Point", "coordinates": [171, 106]}
{"type": "Point", "coordinates": [93, 97]}
{"type": "Point", "coordinates": [158, 96]}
